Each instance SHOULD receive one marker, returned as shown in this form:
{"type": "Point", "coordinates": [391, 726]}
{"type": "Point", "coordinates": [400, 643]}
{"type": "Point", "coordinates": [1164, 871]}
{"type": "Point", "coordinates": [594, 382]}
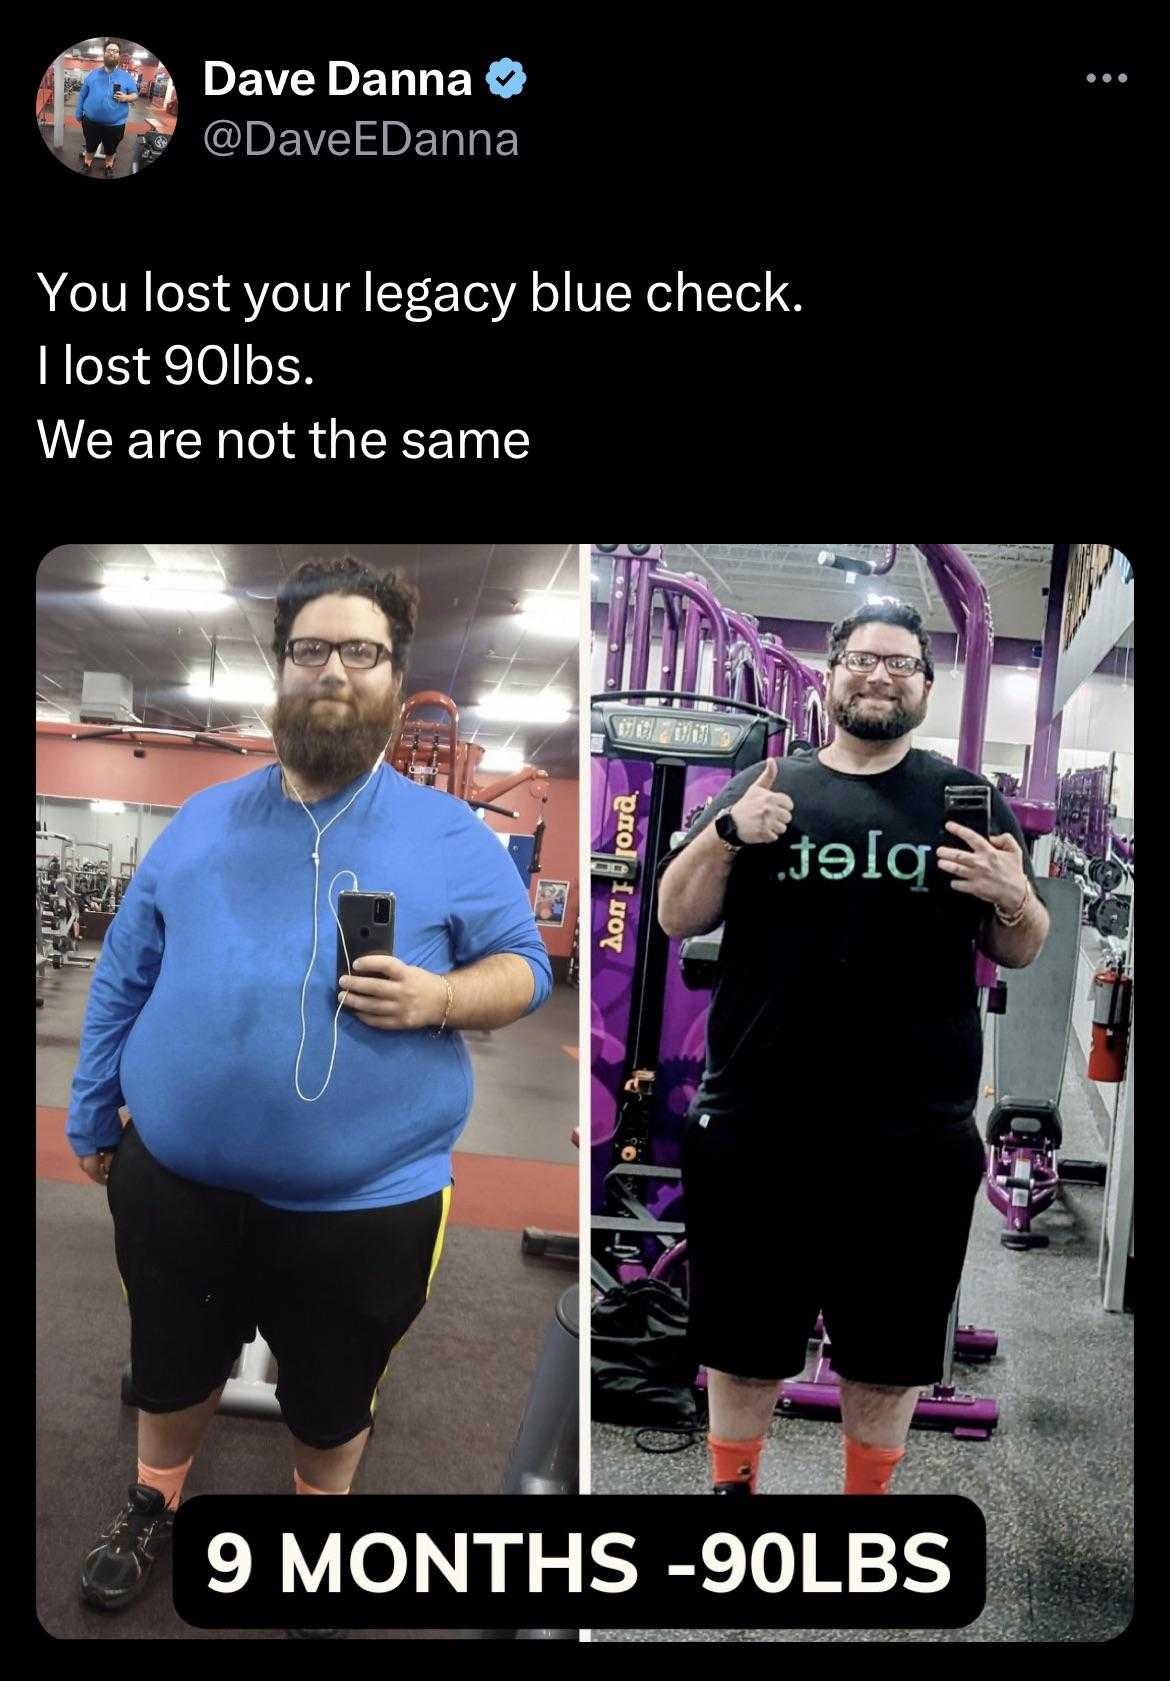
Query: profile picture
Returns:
{"type": "Point", "coordinates": [107, 108]}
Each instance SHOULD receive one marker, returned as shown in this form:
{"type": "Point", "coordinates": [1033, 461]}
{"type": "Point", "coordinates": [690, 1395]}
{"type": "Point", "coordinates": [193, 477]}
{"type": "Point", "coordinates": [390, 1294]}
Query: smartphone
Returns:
{"type": "Point", "coordinates": [969, 804]}
{"type": "Point", "coordinates": [367, 921]}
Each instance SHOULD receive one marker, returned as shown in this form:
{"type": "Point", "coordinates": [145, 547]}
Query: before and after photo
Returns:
{"type": "Point", "coordinates": [626, 1020]}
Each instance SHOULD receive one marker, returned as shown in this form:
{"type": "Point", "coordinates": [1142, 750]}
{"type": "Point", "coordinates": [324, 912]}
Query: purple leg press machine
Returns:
{"type": "Point", "coordinates": [662, 745]}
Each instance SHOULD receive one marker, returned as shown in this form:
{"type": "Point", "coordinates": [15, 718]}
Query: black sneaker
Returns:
{"type": "Point", "coordinates": [732, 1488]}
{"type": "Point", "coordinates": [116, 1570]}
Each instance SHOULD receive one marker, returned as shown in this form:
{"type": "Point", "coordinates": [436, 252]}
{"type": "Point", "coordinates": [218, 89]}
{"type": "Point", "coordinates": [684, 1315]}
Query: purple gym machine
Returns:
{"type": "Point", "coordinates": [1089, 848]}
{"type": "Point", "coordinates": [1024, 1133]}
{"type": "Point", "coordinates": [648, 1034]}
{"type": "Point", "coordinates": [659, 755]}
{"type": "Point", "coordinates": [1083, 810]}
{"type": "Point", "coordinates": [751, 678]}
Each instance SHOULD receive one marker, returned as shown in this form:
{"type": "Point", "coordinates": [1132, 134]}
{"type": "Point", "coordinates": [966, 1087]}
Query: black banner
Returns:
{"type": "Point", "coordinates": [683, 1561]}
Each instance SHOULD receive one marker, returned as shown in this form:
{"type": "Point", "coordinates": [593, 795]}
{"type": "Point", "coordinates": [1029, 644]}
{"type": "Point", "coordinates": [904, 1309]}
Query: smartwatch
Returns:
{"type": "Point", "coordinates": [726, 830]}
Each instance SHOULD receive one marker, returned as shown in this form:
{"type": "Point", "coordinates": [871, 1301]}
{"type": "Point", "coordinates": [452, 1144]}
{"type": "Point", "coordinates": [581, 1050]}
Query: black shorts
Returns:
{"type": "Point", "coordinates": [331, 1294]}
{"type": "Point", "coordinates": [870, 1234]}
{"type": "Point", "coordinates": [108, 135]}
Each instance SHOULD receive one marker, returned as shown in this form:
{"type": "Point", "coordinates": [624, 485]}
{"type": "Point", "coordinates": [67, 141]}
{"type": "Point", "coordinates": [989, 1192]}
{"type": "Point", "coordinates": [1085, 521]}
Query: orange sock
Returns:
{"type": "Point", "coordinates": [303, 1487]}
{"type": "Point", "coordinates": [868, 1469]}
{"type": "Point", "coordinates": [169, 1483]}
{"type": "Point", "coordinates": [735, 1462]}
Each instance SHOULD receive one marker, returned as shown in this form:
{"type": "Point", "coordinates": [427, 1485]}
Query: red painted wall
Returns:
{"type": "Point", "coordinates": [108, 770]}
{"type": "Point", "coordinates": [169, 774]}
{"type": "Point", "coordinates": [559, 853]}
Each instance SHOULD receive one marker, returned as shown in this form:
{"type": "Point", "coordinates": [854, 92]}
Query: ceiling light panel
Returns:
{"type": "Point", "coordinates": [231, 690]}
{"type": "Point", "coordinates": [542, 708]}
{"type": "Point", "coordinates": [150, 600]}
{"type": "Point", "coordinates": [502, 759]}
{"type": "Point", "coordinates": [551, 615]}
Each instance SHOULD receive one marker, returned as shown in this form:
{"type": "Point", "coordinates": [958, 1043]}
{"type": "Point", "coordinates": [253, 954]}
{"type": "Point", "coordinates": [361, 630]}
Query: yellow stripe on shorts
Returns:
{"type": "Point", "coordinates": [439, 1240]}
{"type": "Point", "coordinates": [435, 1256]}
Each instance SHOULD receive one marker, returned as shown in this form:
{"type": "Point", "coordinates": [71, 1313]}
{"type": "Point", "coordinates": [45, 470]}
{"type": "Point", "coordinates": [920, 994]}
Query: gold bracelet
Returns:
{"type": "Point", "coordinates": [450, 1001]}
{"type": "Point", "coordinates": [1014, 921]}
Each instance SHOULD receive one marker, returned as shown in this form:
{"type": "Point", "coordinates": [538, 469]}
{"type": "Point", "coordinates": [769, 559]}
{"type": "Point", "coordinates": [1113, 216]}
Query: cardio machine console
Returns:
{"type": "Point", "coordinates": [668, 734]}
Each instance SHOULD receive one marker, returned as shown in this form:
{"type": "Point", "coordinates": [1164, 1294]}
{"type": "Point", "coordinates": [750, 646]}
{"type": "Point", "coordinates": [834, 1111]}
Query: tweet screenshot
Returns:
{"type": "Point", "coordinates": [584, 1091]}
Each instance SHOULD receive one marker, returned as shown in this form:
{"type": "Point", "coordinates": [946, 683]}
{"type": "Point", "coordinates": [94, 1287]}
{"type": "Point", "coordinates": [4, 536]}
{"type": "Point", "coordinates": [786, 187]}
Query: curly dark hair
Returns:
{"type": "Point", "coordinates": [884, 613]}
{"type": "Point", "coordinates": [343, 575]}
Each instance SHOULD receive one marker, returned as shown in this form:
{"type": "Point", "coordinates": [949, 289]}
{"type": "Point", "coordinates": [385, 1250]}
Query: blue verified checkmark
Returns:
{"type": "Point", "coordinates": [505, 77]}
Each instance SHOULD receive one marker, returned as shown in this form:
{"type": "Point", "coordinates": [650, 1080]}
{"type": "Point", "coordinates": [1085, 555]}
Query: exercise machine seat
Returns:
{"type": "Point", "coordinates": [1028, 1119]}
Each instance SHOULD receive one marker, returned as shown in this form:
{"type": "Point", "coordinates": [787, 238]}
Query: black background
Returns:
{"type": "Point", "coordinates": [962, 216]}
{"type": "Point", "coordinates": [956, 210]}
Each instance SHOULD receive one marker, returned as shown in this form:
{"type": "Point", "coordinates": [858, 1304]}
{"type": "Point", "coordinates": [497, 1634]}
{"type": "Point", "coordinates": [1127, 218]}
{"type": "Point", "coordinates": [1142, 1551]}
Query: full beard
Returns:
{"type": "Point", "coordinates": [330, 746]}
{"type": "Point", "coordinates": [887, 724]}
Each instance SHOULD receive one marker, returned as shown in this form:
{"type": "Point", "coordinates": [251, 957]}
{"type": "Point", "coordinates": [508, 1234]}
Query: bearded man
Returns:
{"type": "Point", "coordinates": [843, 1039]}
{"type": "Point", "coordinates": [287, 1167]}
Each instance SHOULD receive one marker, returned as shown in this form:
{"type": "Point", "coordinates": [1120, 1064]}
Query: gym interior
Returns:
{"type": "Point", "coordinates": [1033, 649]}
{"type": "Point", "coordinates": [150, 121]}
{"type": "Point", "coordinates": [154, 669]}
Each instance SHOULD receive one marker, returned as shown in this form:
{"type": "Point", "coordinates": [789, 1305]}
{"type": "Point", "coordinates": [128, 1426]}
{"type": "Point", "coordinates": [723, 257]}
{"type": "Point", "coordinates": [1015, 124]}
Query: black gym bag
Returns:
{"type": "Point", "coordinates": [642, 1373]}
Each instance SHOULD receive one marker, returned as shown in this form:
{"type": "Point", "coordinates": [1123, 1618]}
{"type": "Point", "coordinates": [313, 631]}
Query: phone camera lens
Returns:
{"type": "Point", "coordinates": [382, 911]}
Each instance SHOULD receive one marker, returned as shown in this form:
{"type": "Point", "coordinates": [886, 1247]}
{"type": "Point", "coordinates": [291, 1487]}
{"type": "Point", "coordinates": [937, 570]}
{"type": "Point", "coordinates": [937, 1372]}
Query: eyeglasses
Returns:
{"type": "Point", "coordinates": [897, 665]}
{"type": "Point", "coordinates": [355, 656]}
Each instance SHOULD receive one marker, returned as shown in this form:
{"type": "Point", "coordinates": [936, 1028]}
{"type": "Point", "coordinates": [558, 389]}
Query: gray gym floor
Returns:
{"type": "Point", "coordinates": [1055, 1481]}
{"type": "Point", "coordinates": [458, 1383]}
{"type": "Point", "coordinates": [513, 1114]}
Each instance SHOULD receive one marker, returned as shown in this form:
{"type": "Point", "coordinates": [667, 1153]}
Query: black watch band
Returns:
{"type": "Point", "coordinates": [726, 830]}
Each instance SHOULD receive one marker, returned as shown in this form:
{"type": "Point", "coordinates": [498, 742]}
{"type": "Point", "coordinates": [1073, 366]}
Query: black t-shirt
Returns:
{"type": "Point", "coordinates": [846, 979]}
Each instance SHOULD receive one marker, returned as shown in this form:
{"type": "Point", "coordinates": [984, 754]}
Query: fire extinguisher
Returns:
{"type": "Point", "coordinates": [1112, 996]}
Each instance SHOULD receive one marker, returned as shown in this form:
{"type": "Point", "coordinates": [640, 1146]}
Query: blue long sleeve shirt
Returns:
{"type": "Point", "coordinates": [194, 1013]}
{"type": "Point", "coordinates": [96, 100]}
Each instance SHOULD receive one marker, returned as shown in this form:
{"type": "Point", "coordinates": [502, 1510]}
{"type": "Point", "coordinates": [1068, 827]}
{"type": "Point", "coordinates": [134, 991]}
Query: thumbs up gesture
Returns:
{"type": "Point", "coordinates": [761, 815]}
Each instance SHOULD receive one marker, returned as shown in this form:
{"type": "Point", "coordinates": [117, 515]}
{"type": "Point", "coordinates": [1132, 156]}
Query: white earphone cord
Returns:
{"type": "Point", "coordinates": [316, 894]}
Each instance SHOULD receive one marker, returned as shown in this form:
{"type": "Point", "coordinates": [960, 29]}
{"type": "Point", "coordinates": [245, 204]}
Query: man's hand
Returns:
{"type": "Point", "coordinates": [385, 992]}
{"type": "Point", "coordinates": [761, 816]}
{"type": "Point", "coordinates": [97, 1167]}
{"type": "Point", "coordinates": [993, 870]}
